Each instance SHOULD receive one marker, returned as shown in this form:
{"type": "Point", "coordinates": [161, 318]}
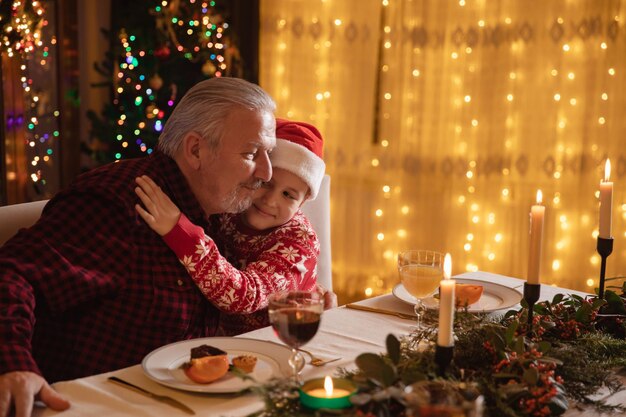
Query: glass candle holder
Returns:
{"type": "Point", "coordinates": [315, 393]}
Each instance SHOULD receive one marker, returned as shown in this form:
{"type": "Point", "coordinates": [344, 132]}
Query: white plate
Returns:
{"type": "Point", "coordinates": [163, 364]}
{"type": "Point", "coordinates": [495, 296]}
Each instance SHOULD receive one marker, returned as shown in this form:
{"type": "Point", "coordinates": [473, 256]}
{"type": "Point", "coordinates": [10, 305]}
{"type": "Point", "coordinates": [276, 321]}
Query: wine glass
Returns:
{"type": "Point", "coordinates": [420, 273]}
{"type": "Point", "coordinates": [295, 317]}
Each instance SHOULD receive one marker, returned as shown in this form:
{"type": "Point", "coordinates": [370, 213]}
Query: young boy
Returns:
{"type": "Point", "coordinates": [271, 245]}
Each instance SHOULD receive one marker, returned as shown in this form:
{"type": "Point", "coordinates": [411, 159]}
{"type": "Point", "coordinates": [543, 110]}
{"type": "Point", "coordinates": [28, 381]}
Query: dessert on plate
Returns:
{"type": "Point", "coordinates": [208, 364]}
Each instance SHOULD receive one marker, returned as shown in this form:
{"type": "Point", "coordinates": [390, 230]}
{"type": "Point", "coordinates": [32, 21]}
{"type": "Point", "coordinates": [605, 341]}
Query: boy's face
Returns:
{"type": "Point", "coordinates": [276, 202]}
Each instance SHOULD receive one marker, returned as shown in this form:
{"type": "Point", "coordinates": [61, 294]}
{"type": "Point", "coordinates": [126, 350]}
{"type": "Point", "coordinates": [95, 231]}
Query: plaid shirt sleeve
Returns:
{"type": "Point", "coordinates": [285, 264]}
{"type": "Point", "coordinates": [41, 267]}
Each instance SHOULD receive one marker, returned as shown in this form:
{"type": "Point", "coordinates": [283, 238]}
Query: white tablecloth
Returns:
{"type": "Point", "coordinates": [343, 332]}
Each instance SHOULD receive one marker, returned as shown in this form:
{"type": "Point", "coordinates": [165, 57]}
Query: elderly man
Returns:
{"type": "Point", "coordinates": [91, 288]}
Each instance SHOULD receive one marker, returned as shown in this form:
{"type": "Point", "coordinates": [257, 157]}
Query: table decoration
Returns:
{"type": "Point", "coordinates": [444, 351]}
{"type": "Point", "coordinates": [574, 350]}
{"type": "Point", "coordinates": [445, 334]}
{"type": "Point", "coordinates": [604, 248]}
{"type": "Point", "coordinates": [327, 393]}
{"type": "Point", "coordinates": [537, 214]}
{"type": "Point", "coordinates": [606, 203]}
{"type": "Point", "coordinates": [531, 295]}
{"type": "Point", "coordinates": [605, 240]}
{"type": "Point", "coordinates": [532, 288]}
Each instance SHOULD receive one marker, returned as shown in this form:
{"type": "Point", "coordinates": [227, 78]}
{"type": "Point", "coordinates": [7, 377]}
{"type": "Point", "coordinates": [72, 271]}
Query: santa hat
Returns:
{"type": "Point", "coordinates": [299, 151]}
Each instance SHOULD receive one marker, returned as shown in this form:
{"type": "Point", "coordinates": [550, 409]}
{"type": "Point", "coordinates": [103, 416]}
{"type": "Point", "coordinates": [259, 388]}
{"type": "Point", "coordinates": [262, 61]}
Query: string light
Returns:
{"type": "Point", "coordinates": [143, 99]}
{"type": "Point", "coordinates": [481, 196]}
{"type": "Point", "coordinates": [24, 34]}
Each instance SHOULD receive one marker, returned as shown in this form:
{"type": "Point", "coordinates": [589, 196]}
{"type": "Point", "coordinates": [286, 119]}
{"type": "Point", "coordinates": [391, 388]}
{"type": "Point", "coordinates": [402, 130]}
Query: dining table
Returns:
{"type": "Point", "coordinates": [343, 333]}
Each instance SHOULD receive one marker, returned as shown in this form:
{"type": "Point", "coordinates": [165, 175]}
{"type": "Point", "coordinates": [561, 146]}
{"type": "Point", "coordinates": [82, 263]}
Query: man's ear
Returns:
{"type": "Point", "coordinates": [191, 149]}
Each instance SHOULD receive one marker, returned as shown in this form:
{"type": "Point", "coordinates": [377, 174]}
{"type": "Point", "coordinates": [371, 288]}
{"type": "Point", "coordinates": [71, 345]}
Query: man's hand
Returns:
{"type": "Point", "coordinates": [160, 212]}
{"type": "Point", "coordinates": [21, 388]}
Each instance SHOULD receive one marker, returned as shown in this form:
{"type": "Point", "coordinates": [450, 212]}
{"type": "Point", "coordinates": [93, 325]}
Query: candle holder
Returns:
{"type": "Point", "coordinates": [531, 295]}
{"type": "Point", "coordinates": [310, 398]}
{"type": "Point", "coordinates": [604, 248]}
{"type": "Point", "coordinates": [443, 357]}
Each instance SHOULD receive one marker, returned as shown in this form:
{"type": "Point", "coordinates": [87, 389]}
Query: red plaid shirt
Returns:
{"type": "Point", "coordinates": [90, 287]}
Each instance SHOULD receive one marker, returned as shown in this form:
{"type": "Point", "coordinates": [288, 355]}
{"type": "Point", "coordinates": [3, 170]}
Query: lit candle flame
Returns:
{"type": "Point", "coordinates": [539, 197]}
{"type": "Point", "coordinates": [607, 170]}
{"type": "Point", "coordinates": [447, 266]}
{"type": "Point", "coordinates": [328, 386]}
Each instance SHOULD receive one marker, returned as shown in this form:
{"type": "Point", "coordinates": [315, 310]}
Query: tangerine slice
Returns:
{"type": "Point", "coordinates": [467, 294]}
{"type": "Point", "coordinates": [207, 369]}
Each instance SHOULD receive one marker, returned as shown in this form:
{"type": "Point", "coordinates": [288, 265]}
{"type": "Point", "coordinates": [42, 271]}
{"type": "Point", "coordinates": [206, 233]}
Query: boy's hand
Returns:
{"type": "Point", "coordinates": [160, 213]}
{"type": "Point", "coordinates": [330, 298]}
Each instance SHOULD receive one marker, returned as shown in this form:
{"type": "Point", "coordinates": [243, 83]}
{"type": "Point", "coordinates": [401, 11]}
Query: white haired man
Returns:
{"type": "Point", "coordinates": [90, 287]}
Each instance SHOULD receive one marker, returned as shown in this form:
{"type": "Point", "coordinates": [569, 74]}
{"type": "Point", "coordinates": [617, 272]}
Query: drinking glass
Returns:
{"type": "Point", "coordinates": [295, 317]}
{"type": "Point", "coordinates": [420, 273]}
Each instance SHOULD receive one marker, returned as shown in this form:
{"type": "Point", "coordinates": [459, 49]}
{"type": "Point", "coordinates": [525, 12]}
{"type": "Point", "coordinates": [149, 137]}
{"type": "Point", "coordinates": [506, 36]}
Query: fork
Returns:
{"type": "Point", "coordinates": [315, 361]}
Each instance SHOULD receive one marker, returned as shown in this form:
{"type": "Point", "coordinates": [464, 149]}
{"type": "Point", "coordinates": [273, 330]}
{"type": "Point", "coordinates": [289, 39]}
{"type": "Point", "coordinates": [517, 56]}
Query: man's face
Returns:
{"type": "Point", "coordinates": [229, 175]}
{"type": "Point", "coordinates": [277, 201]}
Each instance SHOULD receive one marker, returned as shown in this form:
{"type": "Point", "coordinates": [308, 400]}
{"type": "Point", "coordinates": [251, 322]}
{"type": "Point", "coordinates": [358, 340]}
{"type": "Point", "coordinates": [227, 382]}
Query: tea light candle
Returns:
{"type": "Point", "coordinates": [446, 305]}
{"type": "Point", "coordinates": [327, 393]}
{"type": "Point", "coordinates": [537, 214]}
{"type": "Point", "coordinates": [606, 202]}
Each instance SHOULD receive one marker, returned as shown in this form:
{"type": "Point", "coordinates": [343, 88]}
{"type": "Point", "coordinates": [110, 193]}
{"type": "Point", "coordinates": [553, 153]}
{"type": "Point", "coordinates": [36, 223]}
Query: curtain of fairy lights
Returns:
{"type": "Point", "coordinates": [442, 119]}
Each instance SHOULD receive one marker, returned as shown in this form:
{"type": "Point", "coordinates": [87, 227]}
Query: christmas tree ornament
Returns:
{"type": "Point", "coordinates": [163, 52]}
{"type": "Point", "coordinates": [150, 111]}
{"type": "Point", "coordinates": [156, 82]}
{"type": "Point", "coordinates": [208, 68]}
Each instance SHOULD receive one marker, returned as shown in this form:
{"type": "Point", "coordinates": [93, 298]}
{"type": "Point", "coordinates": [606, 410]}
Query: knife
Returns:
{"type": "Point", "coordinates": [163, 398]}
{"type": "Point", "coordinates": [381, 311]}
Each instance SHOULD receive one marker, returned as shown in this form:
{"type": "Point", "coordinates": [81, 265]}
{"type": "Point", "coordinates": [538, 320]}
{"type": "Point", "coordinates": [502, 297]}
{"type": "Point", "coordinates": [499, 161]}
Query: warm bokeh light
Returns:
{"type": "Point", "coordinates": [328, 386]}
{"type": "Point", "coordinates": [467, 148]}
{"type": "Point", "coordinates": [447, 266]}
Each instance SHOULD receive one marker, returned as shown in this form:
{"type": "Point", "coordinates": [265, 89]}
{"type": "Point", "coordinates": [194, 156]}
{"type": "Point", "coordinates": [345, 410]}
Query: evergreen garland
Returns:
{"type": "Point", "coordinates": [575, 348]}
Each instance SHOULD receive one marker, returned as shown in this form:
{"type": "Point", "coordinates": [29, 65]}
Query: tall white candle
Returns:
{"type": "Point", "coordinates": [606, 202]}
{"type": "Point", "coordinates": [446, 305]}
{"type": "Point", "coordinates": [537, 214]}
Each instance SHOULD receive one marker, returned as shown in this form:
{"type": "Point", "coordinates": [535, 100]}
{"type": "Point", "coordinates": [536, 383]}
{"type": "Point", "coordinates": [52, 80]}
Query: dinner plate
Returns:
{"type": "Point", "coordinates": [163, 365]}
{"type": "Point", "coordinates": [495, 296]}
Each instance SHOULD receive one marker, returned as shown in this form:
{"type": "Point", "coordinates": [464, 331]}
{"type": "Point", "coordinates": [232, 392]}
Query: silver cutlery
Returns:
{"type": "Point", "coordinates": [315, 361]}
{"type": "Point", "coordinates": [162, 398]}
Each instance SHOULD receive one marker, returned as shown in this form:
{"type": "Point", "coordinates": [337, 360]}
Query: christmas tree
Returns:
{"type": "Point", "coordinates": [159, 50]}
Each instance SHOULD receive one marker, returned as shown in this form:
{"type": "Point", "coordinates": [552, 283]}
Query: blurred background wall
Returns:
{"type": "Point", "coordinates": [442, 118]}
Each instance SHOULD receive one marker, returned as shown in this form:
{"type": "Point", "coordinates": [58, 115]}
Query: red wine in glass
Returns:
{"type": "Point", "coordinates": [295, 327]}
{"type": "Point", "coordinates": [295, 318]}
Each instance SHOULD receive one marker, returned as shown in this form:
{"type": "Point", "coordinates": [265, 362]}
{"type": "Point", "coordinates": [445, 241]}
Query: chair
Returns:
{"type": "Point", "coordinates": [318, 213]}
{"type": "Point", "coordinates": [17, 216]}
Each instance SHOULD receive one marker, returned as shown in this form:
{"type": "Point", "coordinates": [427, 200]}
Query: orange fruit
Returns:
{"type": "Point", "coordinates": [207, 369]}
{"type": "Point", "coordinates": [466, 294]}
